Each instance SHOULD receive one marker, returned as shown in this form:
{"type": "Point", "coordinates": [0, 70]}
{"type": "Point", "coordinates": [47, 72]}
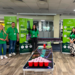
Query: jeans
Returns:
{"type": "Point", "coordinates": [12, 46]}
{"type": "Point", "coordinates": [4, 49]}
{"type": "Point", "coordinates": [34, 42]}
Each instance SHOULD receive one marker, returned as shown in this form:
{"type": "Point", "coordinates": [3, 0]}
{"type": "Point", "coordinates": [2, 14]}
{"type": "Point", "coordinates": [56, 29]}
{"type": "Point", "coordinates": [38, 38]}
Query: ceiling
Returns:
{"type": "Point", "coordinates": [34, 6]}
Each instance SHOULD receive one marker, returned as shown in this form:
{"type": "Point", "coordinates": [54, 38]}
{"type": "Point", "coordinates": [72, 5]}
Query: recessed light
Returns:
{"type": "Point", "coordinates": [74, 10]}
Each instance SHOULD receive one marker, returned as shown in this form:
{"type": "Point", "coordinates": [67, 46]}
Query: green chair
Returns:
{"type": "Point", "coordinates": [48, 45]}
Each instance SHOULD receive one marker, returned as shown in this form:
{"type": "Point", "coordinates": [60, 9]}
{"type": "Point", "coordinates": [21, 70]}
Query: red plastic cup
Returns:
{"type": "Point", "coordinates": [35, 63]}
{"type": "Point", "coordinates": [44, 45]}
{"type": "Point", "coordinates": [41, 63]}
{"type": "Point", "coordinates": [46, 63]}
{"type": "Point", "coordinates": [30, 63]}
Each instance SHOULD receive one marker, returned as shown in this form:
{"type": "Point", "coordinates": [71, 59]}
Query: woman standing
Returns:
{"type": "Point", "coordinates": [72, 41]}
{"type": "Point", "coordinates": [34, 34]}
{"type": "Point", "coordinates": [3, 37]}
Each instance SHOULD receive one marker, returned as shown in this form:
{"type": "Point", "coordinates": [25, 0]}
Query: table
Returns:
{"type": "Point", "coordinates": [48, 55]}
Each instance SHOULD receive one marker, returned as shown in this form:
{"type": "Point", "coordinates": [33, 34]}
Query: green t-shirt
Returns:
{"type": "Point", "coordinates": [12, 33]}
{"type": "Point", "coordinates": [72, 36]}
{"type": "Point", "coordinates": [34, 33]}
{"type": "Point", "coordinates": [2, 36]}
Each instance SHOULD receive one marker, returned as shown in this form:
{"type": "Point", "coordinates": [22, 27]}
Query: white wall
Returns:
{"type": "Point", "coordinates": [33, 17]}
{"type": "Point", "coordinates": [50, 18]}
{"type": "Point", "coordinates": [67, 17]}
{"type": "Point", "coordinates": [2, 16]}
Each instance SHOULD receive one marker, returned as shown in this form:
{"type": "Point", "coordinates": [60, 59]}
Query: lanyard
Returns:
{"type": "Point", "coordinates": [3, 34]}
{"type": "Point", "coordinates": [13, 29]}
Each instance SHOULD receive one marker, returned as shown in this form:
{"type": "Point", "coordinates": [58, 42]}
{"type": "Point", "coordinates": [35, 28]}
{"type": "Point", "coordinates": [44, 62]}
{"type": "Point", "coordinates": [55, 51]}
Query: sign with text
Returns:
{"type": "Point", "coordinates": [68, 24]}
{"type": "Point", "coordinates": [8, 20]}
{"type": "Point", "coordinates": [24, 26]}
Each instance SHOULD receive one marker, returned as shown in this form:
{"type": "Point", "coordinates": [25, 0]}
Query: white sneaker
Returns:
{"type": "Point", "coordinates": [5, 57]}
{"type": "Point", "coordinates": [10, 55]}
{"type": "Point", "coordinates": [13, 53]}
{"type": "Point", "coordinates": [1, 57]}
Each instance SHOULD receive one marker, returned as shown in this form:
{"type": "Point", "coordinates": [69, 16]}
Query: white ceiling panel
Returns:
{"type": "Point", "coordinates": [3, 4]}
{"type": "Point", "coordinates": [30, 1]}
{"type": "Point", "coordinates": [63, 6]}
{"type": "Point", "coordinates": [36, 11]}
{"type": "Point", "coordinates": [5, 1]}
{"type": "Point", "coordinates": [66, 1]}
{"type": "Point", "coordinates": [32, 5]}
{"type": "Point", "coordinates": [53, 6]}
{"type": "Point", "coordinates": [53, 1]}
{"type": "Point", "coordinates": [43, 5]}
{"type": "Point", "coordinates": [20, 4]}
{"type": "Point", "coordinates": [44, 11]}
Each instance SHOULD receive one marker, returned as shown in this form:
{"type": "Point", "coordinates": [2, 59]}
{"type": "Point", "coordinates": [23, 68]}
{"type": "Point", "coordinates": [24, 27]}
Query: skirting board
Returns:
{"type": "Point", "coordinates": [25, 53]}
{"type": "Point", "coordinates": [65, 53]}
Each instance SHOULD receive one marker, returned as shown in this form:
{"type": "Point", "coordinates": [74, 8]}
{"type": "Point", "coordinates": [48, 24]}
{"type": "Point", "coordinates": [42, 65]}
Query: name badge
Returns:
{"type": "Point", "coordinates": [14, 33]}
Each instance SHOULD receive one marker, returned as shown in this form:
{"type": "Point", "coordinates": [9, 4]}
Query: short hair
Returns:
{"type": "Point", "coordinates": [12, 22]}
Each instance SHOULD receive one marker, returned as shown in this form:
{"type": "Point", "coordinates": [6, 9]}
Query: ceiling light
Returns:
{"type": "Point", "coordinates": [74, 10]}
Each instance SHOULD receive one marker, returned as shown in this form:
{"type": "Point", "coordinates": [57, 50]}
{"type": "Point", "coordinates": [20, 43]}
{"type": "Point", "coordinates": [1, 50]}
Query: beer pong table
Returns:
{"type": "Point", "coordinates": [45, 53]}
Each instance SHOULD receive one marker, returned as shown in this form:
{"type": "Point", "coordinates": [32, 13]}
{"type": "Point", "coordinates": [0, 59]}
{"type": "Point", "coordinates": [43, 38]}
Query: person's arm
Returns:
{"type": "Point", "coordinates": [17, 36]}
{"type": "Point", "coordinates": [38, 33]}
{"type": "Point", "coordinates": [1, 39]}
{"type": "Point", "coordinates": [71, 41]}
{"type": "Point", "coordinates": [7, 34]}
{"type": "Point", "coordinates": [6, 38]}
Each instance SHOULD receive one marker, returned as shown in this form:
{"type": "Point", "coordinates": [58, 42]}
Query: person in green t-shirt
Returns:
{"type": "Point", "coordinates": [34, 35]}
{"type": "Point", "coordinates": [72, 41]}
{"type": "Point", "coordinates": [13, 36]}
{"type": "Point", "coordinates": [3, 37]}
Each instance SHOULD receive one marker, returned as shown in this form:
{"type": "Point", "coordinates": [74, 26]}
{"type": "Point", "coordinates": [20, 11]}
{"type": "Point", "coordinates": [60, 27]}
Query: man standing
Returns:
{"type": "Point", "coordinates": [13, 36]}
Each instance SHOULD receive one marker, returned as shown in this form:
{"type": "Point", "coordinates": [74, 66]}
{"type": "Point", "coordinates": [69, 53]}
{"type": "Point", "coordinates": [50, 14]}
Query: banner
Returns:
{"type": "Point", "coordinates": [24, 26]}
{"type": "Point", "coordinates": [68, 24]}
{"type": "Point", "coordinates": [8, 20]}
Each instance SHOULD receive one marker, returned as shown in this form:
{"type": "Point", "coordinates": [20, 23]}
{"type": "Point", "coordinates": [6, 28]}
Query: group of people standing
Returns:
{"type": "Point", "coordinates": [11, 36]}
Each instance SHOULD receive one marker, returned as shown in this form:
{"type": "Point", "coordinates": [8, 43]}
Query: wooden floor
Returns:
{"type": "Point", "coordinates": [64, 65]}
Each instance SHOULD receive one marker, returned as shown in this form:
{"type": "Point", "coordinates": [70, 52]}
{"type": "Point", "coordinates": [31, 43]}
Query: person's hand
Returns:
{"type": "Point", "coordinates": [74, 40]}
{"type": "Point", "coordinates": [2, 39]}
{"type": "Point", "coordinates": [17, 40]}
{"type": "Point", "coordinates": [71, 41]}
{"type": "Point", "coordinates": [7, 40]}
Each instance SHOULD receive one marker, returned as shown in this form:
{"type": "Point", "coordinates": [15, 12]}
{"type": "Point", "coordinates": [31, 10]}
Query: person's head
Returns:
{"type": "Point", "coordinates": [73, 30]}
{"type": "Point", "coordinates": [13, 24]}
{"type": "Point", "coordinates": [34, 27]}
{"type": "Point", "coordinates": [1, 27]}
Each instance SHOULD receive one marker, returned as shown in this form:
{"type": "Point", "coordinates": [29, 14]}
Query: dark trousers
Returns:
{"type": "Point", "coordinates": [34, 42]}
{"type": "Point", "coordinates": [4, 49]}
{"type": "Point", "coordinates": [12, 46]}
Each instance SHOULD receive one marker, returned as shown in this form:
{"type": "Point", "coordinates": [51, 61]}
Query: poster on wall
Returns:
{"type": "Point", "coordinates": [68, 24]}
{"type": "Point", "coordinates": [24, 27]}
{"type": "Point", "coordinates": [8, 20]}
